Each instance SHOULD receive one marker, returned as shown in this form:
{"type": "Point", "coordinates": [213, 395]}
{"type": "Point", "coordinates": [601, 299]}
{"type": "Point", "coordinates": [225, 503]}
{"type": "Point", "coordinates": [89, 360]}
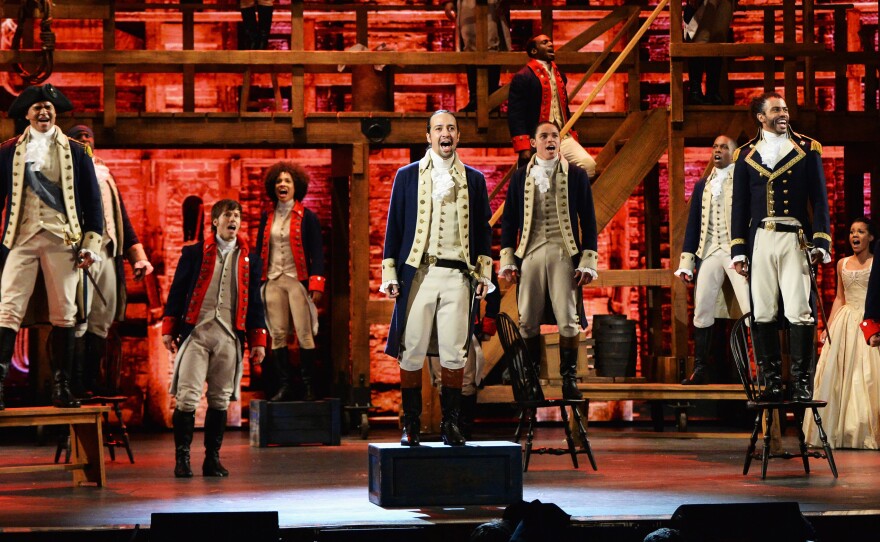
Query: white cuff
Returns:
{"type": "Point", "coordinates": [589, 270]}
{"type": "Point", "coordinates": [740, 258]}
{"type": "Point", "coordinates": [384, 286]}
{"type": "Point", "coordinates": [826, 257]}
{"type": "Point", "coordinates": [490, 287]}
{"type": "Point", "coordinates": [684, 271]}
{"type": "Point", "coordinates": [510, 267]}
{"type": "Point", "coordinates": [95, 257]}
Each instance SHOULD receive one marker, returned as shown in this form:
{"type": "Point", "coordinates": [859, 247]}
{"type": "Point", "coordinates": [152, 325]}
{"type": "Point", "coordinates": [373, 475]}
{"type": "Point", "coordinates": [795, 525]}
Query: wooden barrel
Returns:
{"type": "Point", "coordinates": [615, 345]}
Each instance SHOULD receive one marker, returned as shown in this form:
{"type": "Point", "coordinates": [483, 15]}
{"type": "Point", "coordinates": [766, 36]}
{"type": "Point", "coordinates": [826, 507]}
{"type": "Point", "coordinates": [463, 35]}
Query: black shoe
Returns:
{"type": "Point", "coordinates": [281, 364]}
{"type": "Point", "coordinates": [568, 356]}
{"type": "Point", "coordinates": [699, 377]}
{"type": "Point", "coordinates": [450, 404]}
{"type": "Point", "coordinates": [411, 404]}
{"type": "Point", "coordinates": [183, 424]}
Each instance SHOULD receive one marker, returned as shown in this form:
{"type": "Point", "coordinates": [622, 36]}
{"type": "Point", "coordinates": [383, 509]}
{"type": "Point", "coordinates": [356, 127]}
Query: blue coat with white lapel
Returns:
{"type": "Point", "coordinates": [409, 221]}
{"type": "Point", "coordinates": [696, 236]}
{"type": "Point", "coordinates": [574, 205]}
{"type": "Point", "coordinates": [790, 189]}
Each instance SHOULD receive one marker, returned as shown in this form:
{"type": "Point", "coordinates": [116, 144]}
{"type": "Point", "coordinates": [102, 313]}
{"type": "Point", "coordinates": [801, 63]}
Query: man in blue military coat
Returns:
{"type": "Point", "coordinates": [436, 261]}
{"type": "Point", "coordinates": [720, 292]}
{"type": "Point", "coordinates": [548, 246]}
{"type": "Point", "coordinates": [780, 228]}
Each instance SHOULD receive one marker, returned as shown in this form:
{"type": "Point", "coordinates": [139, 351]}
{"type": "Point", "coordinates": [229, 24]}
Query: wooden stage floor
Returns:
{"type": "Point", "coordinates": [641, 476]}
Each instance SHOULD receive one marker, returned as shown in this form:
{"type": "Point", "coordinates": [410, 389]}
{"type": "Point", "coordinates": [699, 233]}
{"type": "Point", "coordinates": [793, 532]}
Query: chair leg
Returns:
{"type": "Point", "coordinates": [532, 413]}
{"type": "Point", "coordinates": [802, 442]}
{"type": "Point", "coordinates": [109, 440]}
{"type": "Point", "coordinates": [750, 452]}
{"type": "Point", "coordinates": [582, 431]}
{"type": "Point", "coordinates": [517, 435]}
{"type": "Point", "coordinates": [765, 454]}
{"type": "Point", "coordinates": [824, 438]}
{"type": "Point", "coordinates": [568, 439]}
{"type": "Point", "coordinates": [124, 430]}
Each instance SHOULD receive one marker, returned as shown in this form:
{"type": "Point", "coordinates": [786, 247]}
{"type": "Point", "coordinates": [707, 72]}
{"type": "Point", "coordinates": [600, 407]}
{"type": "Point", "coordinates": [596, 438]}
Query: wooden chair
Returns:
{"type": "Point", "coordinates": [753, 385]}
{"type": "Point", "coordinates": [115, 434]}
{"type": "Point", "coordinates": [529, 397]}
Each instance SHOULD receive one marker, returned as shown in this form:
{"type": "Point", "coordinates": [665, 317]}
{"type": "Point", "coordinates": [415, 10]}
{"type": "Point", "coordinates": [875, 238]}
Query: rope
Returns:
{"type": "Point", "coordinates": [47, 37]}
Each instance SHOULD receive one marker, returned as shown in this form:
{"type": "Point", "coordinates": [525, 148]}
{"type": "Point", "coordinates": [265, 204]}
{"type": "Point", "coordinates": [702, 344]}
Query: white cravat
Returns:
{"type": "Point", "coordinates": [542, 171]}
{"type": "Point", "coordinates": [771, 147]}
{"type": "Point", "coordinates": [718, 178]}
{"type": "Point", "coordinates": [440, 176]}
{"type": "Point", "coordinates": [37, 149]}
{"type": "Point", "coordinates": [225, 246]}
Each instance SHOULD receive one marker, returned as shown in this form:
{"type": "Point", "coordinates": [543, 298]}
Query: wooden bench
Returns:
{"type": "Point", "coordinates": [86, 437]}
{"type": "Point", "coordinates": [656, 393]}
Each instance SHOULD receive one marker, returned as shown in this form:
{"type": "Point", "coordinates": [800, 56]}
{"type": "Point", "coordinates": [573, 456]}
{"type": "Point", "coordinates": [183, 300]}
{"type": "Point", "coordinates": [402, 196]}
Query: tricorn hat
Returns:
{"type": "Point", "coordinates": [39, 93]}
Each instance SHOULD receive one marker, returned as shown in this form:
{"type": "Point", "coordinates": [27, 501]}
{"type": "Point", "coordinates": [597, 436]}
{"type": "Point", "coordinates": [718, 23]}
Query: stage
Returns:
{"type": "Point", "coordinates": [642, 478]}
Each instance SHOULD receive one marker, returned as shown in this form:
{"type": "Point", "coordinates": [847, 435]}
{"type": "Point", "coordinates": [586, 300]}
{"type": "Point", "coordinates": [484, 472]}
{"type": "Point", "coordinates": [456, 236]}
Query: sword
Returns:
{"type": "Point", "coordinates": [806, 248]}
{"type": "Point", "coordinates": [71, 242]}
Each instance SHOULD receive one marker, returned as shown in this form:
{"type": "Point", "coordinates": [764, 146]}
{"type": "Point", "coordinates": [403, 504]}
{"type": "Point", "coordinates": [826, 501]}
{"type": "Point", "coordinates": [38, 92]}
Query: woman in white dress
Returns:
{"type": "Point", "coordinates": [848, 372]}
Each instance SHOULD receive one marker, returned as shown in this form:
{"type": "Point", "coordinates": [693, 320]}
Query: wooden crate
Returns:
{"type": "Point", "coordinates": [295, 422]}
{"type": "Point", "coordinates": [550, 358]}
{"type": "Point", "coordinates": [433, 474]}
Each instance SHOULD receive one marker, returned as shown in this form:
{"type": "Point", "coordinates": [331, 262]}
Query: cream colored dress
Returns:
{"type": "Point", "coordinates": [848, 375]}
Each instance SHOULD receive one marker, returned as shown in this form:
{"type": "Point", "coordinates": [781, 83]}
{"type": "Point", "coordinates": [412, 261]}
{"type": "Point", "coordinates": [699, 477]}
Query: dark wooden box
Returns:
{"type": "Point", "coordinates": [294, 422]}
{"type": "Point", "coordinates": [433, 474]}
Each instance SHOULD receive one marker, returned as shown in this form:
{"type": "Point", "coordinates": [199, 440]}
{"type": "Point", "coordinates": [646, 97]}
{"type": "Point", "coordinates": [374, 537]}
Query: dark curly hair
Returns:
{"type": "Point", "coordinates": [872, 230]}
{"type": "Point", "coordinates": [759, 102]}
{"type": "Point", "coordinates": [299, 175]}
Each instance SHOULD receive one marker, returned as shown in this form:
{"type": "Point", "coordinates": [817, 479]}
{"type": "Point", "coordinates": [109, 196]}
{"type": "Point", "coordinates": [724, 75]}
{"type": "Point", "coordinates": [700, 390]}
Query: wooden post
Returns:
{"type": "Point", "coordinates": [189, 70]}
{"type": "Point", "coordinates": [677, 218]}
{"type": "Point", "coordinates": [297, 82]}
{"type": "Point", "coordinates": [481, 14]}
{"type": "Point", "coordinates": [341, 313]}
{"type": "Point", "coordinates": [359, 260]}
{"type": "Point", "coordinates": [769, 61]}
{"type": "Point", "coordinates": [809, 71]}
{"type": "Point", "coordinates": [789, 65]}
{"type": "Point", "coordinates": [841, 46]}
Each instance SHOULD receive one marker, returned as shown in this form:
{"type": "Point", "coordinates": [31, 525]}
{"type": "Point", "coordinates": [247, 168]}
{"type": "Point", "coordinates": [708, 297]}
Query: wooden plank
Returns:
{"type": "Point", "coordinates": [788, 50]}
{"type": "Point", "coordinates": [341, 315]}
{"type": "Point", "coordinates": [626, 392]}
{"type": "Point", "coordinates": [625, 130]}
{"type": "Point", "coordinates": [678, 215]}
{"type": "Point", "coordinates": [109, 96]}
{"type": "Point", "coordinates": [48, 467]}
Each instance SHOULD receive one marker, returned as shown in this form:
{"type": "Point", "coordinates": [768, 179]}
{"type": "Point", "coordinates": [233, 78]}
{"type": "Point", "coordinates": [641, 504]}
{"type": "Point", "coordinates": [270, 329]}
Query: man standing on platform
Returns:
{"type": "Point", "coordinates": [214, 298]}
{"type": "Point", "coordinates": [548, 202]}
{"type": "Point", "coordinates": [780, 228]}
{"type": "Point", "coordinates": [497, 37]}
{"type": "Point", "coordinates": [538, 94]}
{"type": "Point", "coordinates": [436, 263]}
{"type": "Point", "coordinates": [119, 241]}
{"type": "Point", "coordinates": [707, 238]}
{"type": "Point", "coordinates": [53, 224]}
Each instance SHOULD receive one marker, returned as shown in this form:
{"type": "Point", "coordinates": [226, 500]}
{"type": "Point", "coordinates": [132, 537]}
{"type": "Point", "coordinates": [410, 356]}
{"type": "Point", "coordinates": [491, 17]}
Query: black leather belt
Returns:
{"type": "Point", "coordinates": [781, 226]}
{"type": "Point", "coordinates": [450, 264]}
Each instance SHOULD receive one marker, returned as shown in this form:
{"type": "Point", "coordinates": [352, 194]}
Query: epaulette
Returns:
{"type": "Point", "coordinates": [86, 147]}
{"type": "Point", "coordinates": [736, 152]}
{"type": "Point", "coordinates": [816, 147]}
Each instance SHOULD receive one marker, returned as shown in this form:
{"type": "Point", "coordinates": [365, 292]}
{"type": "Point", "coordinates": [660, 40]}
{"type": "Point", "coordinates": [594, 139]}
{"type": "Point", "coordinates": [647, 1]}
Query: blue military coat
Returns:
{"type": "Point", "coordinates": [401, 231]}
{"type": "Point", "coordinates": [794, 188]}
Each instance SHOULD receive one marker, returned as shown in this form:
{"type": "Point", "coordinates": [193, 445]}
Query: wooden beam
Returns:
{"type": "Point", "coordinates": [340, 302]}
{"type": "Point", "coordinates": [620, 14]}
{"type": "Point", "coordinates": [786, 50]}
{"type": "Point", "coordinates": [109, 96]}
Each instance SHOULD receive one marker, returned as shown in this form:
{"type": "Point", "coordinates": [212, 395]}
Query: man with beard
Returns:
{"type": "Point", "coordinates": [213, 301]}
{"type": "Point", "coordinates": [548, 202]}
{"type": "Point", "coordinates": [780, 227]}
{"type": "Point", "coordinates": [538, 94]}
{"type": "Point", "coordinates": [53, 224]}
{"type": "Point", "coordinates": [436, 262]}
{"type": "Point", "coordinates": [707, 238]}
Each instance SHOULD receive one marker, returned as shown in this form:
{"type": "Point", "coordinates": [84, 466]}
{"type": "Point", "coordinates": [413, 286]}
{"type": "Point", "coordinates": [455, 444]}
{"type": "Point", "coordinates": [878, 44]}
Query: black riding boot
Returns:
{"type": "Point", "coordinates": [265, 25]}
{"type": "Point", "coordinates": [466, 416]}
{"type": "Point", "coordinates": [765, 339]}
{"type": "Point", "coordinates": [450, 405]}
{"type": "Point", "coordinates": [184, 424]}
{"type": "Point", "coordinates": [411, 404]}
{"type": "Point", "coordinates": [702, 342]}
{"type": "Point", "coordinates": [568, 358]}
{"type": "Point", "coordinates": [281, 364]}
{"type": "Point", "coordinates": [250, 30]}
{"type": "Point", "coordinates": [7, 347]}
{"type": "Point", "coordinates": [307, 369]}
{"type": "Point", "coordinates": [215, 425]}
{"type": "Point", "coordinates": [803, 349]}
{"type": "Point", "coordinates": [62, 342]}
{"type": "Point", "coordinates": [77, 384]}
